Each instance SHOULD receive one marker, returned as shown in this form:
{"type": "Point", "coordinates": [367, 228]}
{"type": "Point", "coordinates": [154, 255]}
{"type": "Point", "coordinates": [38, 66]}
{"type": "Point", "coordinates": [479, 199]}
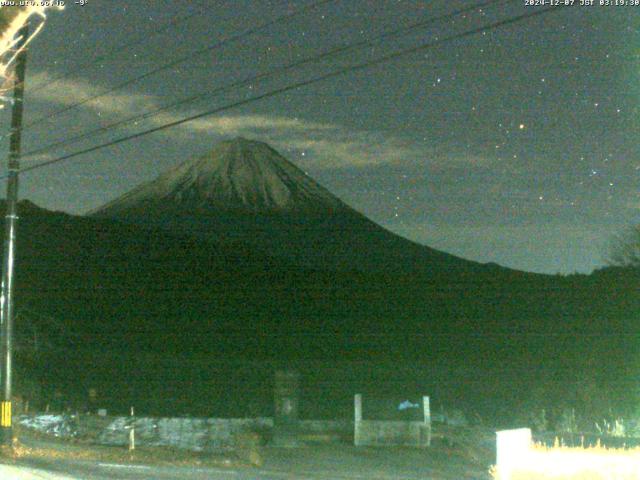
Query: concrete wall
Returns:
{"type": "Point", "coordinates": [198, 434]}
{"type": "Point", "coordinates": [385, 433]}
{"type": "Point", "coordinates": [390, 432]}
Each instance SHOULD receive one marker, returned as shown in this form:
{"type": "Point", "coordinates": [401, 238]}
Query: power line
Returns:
{"type": "Point", "coordinates": [335, 51]}
{"type": "Point", "coordinates": [294, 86]}
{"type": "Point", "coordinates": [144, 38]}
{"type": "Point", "coordinates": [178, 61]}
{"type": "Point", "coordinates": [303, 83]}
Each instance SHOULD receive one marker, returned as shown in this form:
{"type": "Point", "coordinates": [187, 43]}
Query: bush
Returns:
{"type": "Point", "coordinates": [248, 448]}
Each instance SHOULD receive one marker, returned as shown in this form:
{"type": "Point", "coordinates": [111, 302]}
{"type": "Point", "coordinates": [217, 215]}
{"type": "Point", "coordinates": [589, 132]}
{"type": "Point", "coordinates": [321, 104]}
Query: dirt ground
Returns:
{"type": "Point", "coordinates": [456, 453]}
{"type": "Point", "coordinates": [331, 461]}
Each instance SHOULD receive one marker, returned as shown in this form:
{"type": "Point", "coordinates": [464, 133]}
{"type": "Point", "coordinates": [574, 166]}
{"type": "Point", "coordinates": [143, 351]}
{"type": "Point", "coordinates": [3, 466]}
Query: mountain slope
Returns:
{"type": "Point", "coordinates": [245, 191]}
{"type": "Point", "coordinates": [239, 175]}
{"type": "Point", "coordinates": [144, 312]}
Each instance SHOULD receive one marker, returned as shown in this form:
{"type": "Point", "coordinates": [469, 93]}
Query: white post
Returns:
{"type": "Point", "coordinates": [426, 408]}
{"type": "Point", "coordinates": [132, 432]}
{"type": "Point", "coordinates": [358, 407]}
{"type": "Point", "coordinates": [512, 447]}
{"type": "Point", "coordinates": [357, 400]}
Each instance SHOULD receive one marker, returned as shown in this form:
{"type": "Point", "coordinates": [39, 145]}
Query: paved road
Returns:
{"type": "Point", "coordinates": [320, 462]}
{"type": "Point", "coordinates": [39, 469]}
{"type": "Point", "coordinates": [79, 470]}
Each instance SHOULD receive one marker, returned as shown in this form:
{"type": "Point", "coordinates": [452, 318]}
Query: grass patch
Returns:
{"type": "Point", "coordinates": [573, 463]}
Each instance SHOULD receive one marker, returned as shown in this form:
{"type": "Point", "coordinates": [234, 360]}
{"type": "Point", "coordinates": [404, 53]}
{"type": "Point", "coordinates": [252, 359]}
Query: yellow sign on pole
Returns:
{"type": "Point", "coordinates": [5, 414]}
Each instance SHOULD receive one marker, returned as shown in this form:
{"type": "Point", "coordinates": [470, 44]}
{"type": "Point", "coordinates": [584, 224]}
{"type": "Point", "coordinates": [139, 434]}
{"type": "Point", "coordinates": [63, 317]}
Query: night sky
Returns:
{"type": "Point", "coordinates": [517, 146]}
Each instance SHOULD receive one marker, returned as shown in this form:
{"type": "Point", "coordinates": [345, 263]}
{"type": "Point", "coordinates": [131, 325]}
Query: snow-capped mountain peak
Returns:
{"type": "Point", "coordinates": [238, 174]}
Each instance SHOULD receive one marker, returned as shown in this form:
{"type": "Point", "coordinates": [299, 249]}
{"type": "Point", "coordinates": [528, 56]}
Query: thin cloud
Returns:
{"type": "Point", "coordinates": [68, 92]}
{"type": "Point", "coordinates": [319, 145]}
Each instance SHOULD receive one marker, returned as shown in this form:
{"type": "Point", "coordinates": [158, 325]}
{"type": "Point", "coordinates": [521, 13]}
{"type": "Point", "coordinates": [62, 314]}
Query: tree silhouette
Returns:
{"type": "Point", "coordinates": [625, 248]}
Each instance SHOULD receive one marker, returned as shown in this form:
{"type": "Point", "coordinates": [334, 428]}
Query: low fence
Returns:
{"type": "Point", "coordinates": [197, 434]}
{"type": "Point", "coordinates": [517, 457]}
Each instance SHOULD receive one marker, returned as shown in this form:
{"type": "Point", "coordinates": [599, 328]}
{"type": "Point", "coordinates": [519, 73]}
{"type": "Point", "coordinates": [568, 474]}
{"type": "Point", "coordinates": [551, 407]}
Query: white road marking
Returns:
{"type": "Point", "coordinates": [119, 465]}
{"type": "Point", "coordinates": [214, 470]}
{"type": "Point", "coordinates": [191, 470]}
{"type": "Point", "coordinates": [316, 474]}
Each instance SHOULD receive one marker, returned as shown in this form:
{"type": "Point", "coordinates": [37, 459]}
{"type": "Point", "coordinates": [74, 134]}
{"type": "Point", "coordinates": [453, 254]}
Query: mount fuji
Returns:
{"type": "Point", "coordinates": [245, 191]}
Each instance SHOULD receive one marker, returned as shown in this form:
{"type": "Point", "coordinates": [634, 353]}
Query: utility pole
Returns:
{"type": "Point", "coordinates": [6, 298]}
